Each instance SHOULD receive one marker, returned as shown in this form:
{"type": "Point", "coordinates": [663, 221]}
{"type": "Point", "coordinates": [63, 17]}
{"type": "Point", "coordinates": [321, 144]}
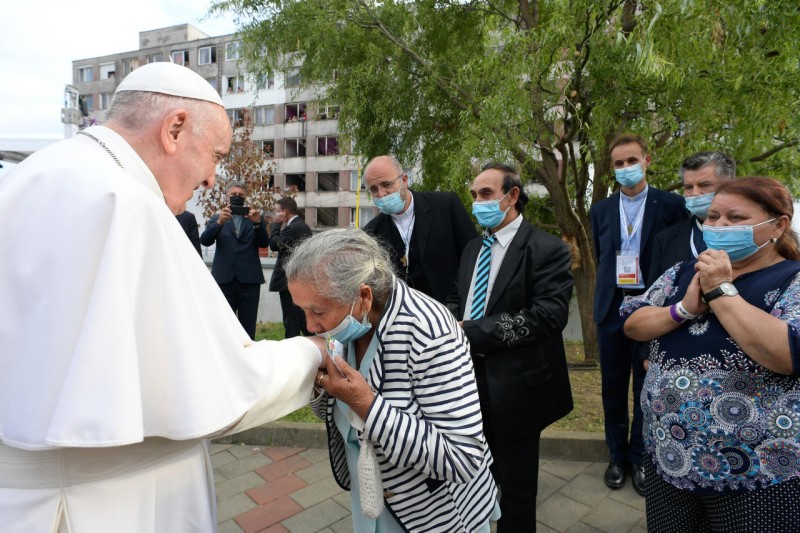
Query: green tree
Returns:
{"type": "Point", "coordinates": [547, 84]}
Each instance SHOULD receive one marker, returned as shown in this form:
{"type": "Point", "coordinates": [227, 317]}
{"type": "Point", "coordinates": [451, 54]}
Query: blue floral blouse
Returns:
{"type": "Point", "coordinates": [715, 421]}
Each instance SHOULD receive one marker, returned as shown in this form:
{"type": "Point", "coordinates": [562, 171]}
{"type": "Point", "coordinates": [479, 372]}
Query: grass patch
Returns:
{"type": "Point", "coordinates": [586, 416]}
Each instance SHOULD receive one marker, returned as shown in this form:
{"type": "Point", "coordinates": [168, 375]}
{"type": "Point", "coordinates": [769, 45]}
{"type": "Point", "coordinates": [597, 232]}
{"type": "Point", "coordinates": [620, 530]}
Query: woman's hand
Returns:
{"type": "Point", "coordinates": [692, 300]}
{"type": "Point", "coordinates": [348, 386]}
{"type": "Point", "coordinates": [714, 268]}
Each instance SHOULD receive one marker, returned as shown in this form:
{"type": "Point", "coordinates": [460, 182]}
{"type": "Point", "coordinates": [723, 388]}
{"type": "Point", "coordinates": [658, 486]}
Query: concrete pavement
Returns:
{"type": "Point", "coordinates": [277, 479]}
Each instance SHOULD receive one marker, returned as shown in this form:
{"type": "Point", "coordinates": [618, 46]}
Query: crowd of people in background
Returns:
{"type": "Point", "coordinates": [432, 351]}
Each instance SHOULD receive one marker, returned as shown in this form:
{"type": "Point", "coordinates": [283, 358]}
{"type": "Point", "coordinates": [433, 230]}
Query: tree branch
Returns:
{"type": "Point", "coordinates": [773, 151]}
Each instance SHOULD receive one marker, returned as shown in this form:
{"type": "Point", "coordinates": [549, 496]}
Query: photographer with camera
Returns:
{"type": "Point", "coordinates": [239, 232]}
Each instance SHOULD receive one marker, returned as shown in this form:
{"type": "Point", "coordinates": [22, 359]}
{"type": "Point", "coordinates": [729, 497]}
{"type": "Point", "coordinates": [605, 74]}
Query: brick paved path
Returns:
{"type": "Point", "coordinates": [280, 490]}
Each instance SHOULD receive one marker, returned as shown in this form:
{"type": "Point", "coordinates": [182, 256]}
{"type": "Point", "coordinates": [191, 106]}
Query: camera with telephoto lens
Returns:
{"type": "Point", "coordinates": [238, 207]}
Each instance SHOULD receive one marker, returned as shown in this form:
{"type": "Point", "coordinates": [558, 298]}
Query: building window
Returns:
{"type": "Point", "coordinates": [236, 84]}
{"type": "Point", "coordinates": [89, 101]}
{"type": "Point", "coordinates": [213, 83]}
{"type": "Point", "coordinates": [293, 78]}
{"type": "Point", "coordinates": [107, 71]}
{"type": "Point", "coordinates": [268, 146]}
{"type": "Point", "coordinates": [155, 58]}
{"type": "Point", "coordinates": [181, 57]}
{"type": "Point", "coordinates": [233, 50]}
{"type": "Point", "coordinates": [85, 74]}
{"type": "Point", "coordinates": [237, 117]}
{"type": "Point", "coordinates": [354, 181]}
{"type": "Point", "coordinates": [265, 115]}
{"type": "Point", "coordinates": [328, 111]}
{"type": "Point", "coordinates": [328, 216]}
{"type": "Point", "coordinates": [296, 182]}
{"type": "Point", "coordinates": [207, 55]}
{"type": "Point", "coordinates": [105, 99]}
{"type": "Point", "coordinates": [328, 181]}
{"type": "Point", "coordinates": [365, 214]}
{"type": "Point", "coordinates": [265, 81]}
{"type": "Point", "coordinates": [295, 148]}
{"type": "Point", "coordinates": [129, 65]}
{"type": "Point", "coordinates": [327, 146]}
{"type": "Point", "coordinates": [295, 112]}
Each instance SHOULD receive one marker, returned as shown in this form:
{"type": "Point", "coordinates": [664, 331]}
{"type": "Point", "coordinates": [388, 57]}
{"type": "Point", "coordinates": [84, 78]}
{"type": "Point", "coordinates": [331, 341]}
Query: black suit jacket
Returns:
{"type": "Point", "coordinates": [236, 257]}
{"type": "Point", "coordinates": [283, 241]}
{"type": "Point", "coordinates": [519, 338]}
{"type": "Point", "coordinates": [662, 210]}
{"type": "Point", "coordinates": [188, 222]}
{"type": "Point", "coordinates": [672, 245]}
{"type": "Point", "coordinates": [442, 228]}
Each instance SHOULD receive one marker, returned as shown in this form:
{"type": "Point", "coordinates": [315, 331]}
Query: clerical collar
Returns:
{"type": "Point", "coordinates": [625, 198]}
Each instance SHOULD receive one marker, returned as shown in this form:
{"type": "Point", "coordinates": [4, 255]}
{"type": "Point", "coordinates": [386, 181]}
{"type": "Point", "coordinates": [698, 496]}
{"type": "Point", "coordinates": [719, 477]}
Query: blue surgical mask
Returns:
{"type": "Point", "coordinates": [391, 204]}
{"type": "Point", "coordinates": [698, 205]}
{"type": "Point", "coordinates": [630, 176]}
{"type": "Point", "coordinates": [736, 241]}
{"type": "Point", "coordinates": [349, 329]}
{"type": "Point", "coordinates": [488, 212]}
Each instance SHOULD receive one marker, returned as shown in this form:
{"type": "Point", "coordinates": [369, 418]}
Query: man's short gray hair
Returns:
{"type": "Point", "coordinates": [138, 109]}
{"type": "Point", "coordinates": [724, 165]}
{"type": "Point", "coordinates": [239, 184]}
{"type": "Point", "coordinates": [337, 262]}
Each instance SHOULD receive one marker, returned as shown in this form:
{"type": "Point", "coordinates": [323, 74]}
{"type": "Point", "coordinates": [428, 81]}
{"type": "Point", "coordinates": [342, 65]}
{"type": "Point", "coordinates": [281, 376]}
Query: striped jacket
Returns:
{"type": "Point", "coordinates": [425, 422]}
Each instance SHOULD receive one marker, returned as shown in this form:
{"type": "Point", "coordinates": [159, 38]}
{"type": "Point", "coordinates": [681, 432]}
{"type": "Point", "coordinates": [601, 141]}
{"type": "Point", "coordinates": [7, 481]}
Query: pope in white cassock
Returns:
{"type": "Point", "coordinates": [118, 353]}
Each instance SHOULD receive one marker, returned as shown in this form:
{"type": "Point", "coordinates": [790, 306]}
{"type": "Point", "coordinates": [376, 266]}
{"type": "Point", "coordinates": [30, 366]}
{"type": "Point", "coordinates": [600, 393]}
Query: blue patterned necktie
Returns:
{"type": "Point", "coordinates": [482, 278]}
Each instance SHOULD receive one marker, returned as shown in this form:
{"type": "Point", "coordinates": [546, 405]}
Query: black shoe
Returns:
{"type": "Point", "coordinates": [637, 477]}
{"type": "Point", "coordinates": [615, 475]}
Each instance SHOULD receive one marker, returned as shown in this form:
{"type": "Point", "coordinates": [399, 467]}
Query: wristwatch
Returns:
{"type": "Point", "coordinates": [724, 289]}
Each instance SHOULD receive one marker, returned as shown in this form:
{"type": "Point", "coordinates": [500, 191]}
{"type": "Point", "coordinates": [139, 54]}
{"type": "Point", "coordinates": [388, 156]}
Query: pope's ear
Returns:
{"type": "Point", "coordinates": [173, 130]}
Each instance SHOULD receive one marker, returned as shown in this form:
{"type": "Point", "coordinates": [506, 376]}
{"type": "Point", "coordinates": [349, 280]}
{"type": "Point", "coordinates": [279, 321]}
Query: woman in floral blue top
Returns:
{"type": "Point", "coordinates": [721, 399]}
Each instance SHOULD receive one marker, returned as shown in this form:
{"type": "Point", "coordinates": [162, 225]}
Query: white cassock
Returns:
{"type": "Point", "coordinates": [119, 354]}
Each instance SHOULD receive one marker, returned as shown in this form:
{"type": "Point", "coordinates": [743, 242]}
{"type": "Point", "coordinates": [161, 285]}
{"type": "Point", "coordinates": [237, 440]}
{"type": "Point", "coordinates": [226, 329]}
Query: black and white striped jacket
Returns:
{"type": "Point", "coordinates": [425, 422]}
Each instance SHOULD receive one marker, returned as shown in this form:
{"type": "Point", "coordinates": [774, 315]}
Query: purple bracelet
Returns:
{"type": "Point", "coordinates": [675, 316]}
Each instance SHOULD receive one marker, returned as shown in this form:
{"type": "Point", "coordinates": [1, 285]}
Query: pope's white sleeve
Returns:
{"type": "Point", "coordinates": [288, 379]}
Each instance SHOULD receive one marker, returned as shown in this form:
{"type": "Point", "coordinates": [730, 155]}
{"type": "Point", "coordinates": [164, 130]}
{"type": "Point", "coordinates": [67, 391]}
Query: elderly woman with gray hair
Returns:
{"type": "Point", "coordinates": [400, 404]}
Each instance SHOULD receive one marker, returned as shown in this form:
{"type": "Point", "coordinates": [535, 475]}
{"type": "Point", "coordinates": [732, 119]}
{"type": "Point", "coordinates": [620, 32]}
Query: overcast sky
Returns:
{"type": "Point", "coordinates": [39, 39]}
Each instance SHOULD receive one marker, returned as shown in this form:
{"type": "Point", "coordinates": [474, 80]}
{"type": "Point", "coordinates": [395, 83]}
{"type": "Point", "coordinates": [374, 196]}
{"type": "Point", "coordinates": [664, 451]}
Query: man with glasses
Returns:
{"type": "Point", "coordinates": [425, 232]}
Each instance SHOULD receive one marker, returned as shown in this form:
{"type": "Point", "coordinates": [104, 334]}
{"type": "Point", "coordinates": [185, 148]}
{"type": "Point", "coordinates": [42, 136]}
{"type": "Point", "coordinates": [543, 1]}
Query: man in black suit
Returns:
{"type": "Point", "coordinates": [425, 232]}
{"type": "Point", "coordinates": [285, 232]}
{"type": "Point", "coordinates": [513, 290]}
{"type": "Point", "coordinates": [623, 227]}
{"type": "Point", "coordinates": [237, 265]}
{"type": "Point", "coordinates": [701, 174]}
{"type": "Point", "coordinates": [188, 222]}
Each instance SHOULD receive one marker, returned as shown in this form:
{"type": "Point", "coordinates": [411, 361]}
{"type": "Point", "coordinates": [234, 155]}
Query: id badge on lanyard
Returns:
{"type": "Point", "coordinates": [628, 269]}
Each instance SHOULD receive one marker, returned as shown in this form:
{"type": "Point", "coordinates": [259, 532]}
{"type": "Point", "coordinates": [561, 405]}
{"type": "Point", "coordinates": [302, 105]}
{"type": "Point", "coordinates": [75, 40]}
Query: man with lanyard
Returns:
{"type": "Point", "coordinates": [622, 228]}
{"type": "Point", "coordinates": [424, 232]}
{"type": "Point", "coordinates": [701, 174]}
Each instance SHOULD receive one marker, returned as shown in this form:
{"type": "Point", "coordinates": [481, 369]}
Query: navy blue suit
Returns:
{"type": "Point", "coordinates": [618, 353]}
{"type": "Point", "coordinates": [237, 265]}
{"type": "Point", "coordinates": [672, 245]}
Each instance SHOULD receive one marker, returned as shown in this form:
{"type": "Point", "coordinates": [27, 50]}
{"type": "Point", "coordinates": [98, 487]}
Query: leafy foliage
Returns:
{"type": "Point", "coordinates": [245, 162]}
{"type": "Point", "coordinates": [547, 85]}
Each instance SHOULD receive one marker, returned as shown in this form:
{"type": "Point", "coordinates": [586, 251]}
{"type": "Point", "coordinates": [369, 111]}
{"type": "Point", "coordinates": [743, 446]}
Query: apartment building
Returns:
{"type": "Point", "coordinates": [298, 129]}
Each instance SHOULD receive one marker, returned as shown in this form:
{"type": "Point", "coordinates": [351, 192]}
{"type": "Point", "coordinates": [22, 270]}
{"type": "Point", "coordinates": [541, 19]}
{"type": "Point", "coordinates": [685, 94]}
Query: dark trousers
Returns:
{"type": "Point", "coordinates": [243, 299]}
{"type": "Point", "coordinates": [516, 472]}
{"type": "Point", "coordinates": [618, 355]}
{"type": "Point", "coordinates": [515, 468]}
{"type": "Point", "coordinates": [294, 319]}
